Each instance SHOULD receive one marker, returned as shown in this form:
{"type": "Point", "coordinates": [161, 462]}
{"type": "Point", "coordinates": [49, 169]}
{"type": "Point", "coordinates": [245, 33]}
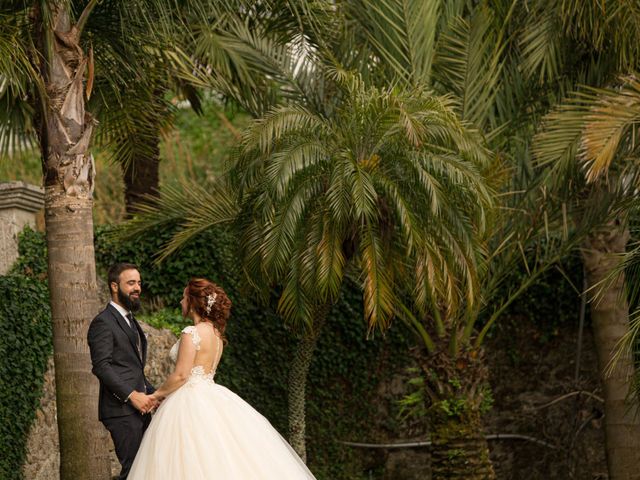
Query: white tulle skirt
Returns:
{"type": "Point", "coordinates": [205, 431]}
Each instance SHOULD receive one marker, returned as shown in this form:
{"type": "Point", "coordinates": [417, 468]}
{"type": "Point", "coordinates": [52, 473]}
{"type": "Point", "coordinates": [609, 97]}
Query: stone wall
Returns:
{"type": "Point", "coordinates": [43, 456]}
{"type": "Point", "coordinates": [20, 205]}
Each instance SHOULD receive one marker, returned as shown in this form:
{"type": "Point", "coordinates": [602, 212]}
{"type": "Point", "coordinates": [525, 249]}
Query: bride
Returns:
{"type": "Point", "coordinates": [202, 430]}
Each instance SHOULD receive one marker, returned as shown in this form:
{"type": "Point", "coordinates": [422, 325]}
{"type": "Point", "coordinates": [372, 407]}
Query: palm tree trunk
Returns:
{"type": "Point", "coordinates": [69, 182]}
{"type": "Point", "coordinates": [142, 173]}
{"type": "Point", "coordinates": [456, 386]}
{"type": "Point", "coordinates": [610, 319]}
{"type": "Point", "coordinates": [142, 176]}
{"type": "Point", "coordinates": [459, 448]}
{"type": "Point", "coordinates": [298, 382]}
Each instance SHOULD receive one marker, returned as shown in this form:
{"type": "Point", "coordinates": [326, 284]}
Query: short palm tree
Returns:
{"type": "Point", "coordinates": [388, 187]}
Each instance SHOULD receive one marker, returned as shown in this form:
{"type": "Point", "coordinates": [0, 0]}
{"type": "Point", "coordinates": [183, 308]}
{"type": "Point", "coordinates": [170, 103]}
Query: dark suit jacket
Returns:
{"type": "Point", "coordinates": [116, 362]}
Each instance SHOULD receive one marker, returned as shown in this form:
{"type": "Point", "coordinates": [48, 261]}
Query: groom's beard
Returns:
{"type": "Point", "coordinates": [132, 304]}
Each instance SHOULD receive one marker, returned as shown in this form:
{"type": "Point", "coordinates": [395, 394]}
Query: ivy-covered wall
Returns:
{"type": "Point", "coordinates": [25, 346]}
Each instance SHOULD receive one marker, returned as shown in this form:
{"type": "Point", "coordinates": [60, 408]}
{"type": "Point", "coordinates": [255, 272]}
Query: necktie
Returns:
{"type": "Point", "coordinates": [135, 333]}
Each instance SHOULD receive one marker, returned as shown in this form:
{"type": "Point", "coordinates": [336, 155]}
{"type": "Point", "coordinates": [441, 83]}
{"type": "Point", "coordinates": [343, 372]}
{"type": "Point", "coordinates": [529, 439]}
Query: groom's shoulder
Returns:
{"type": "Point", "coordinates": [104, 313]}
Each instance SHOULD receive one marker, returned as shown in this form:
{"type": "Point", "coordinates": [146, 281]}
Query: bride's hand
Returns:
{"type": "Point", "coordinates": [142, 402]}
{"type": "Point", "coordinates": [158, 398]}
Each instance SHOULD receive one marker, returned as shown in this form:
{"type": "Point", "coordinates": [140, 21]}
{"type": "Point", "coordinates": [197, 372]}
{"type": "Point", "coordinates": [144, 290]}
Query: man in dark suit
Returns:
{"type": "Point", "coordinates": [118, 354]}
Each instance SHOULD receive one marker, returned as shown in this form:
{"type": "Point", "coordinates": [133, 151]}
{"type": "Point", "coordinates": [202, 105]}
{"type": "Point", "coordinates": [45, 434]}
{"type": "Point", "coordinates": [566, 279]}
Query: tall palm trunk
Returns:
{"type": "Point", "coordinates": [142, 176]}
{"type": "Point", "coordinates": [298, 382]}
{"type": "Point", "coordinates": [457, 389]}
{"type": "Point", "coordinates": [610, 318]}
{"type": "Point", "coordinates": [69, 181]}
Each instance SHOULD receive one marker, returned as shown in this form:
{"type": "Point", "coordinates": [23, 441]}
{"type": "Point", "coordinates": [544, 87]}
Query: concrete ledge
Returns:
{"type": "Point", "coordinates": [21, 195]}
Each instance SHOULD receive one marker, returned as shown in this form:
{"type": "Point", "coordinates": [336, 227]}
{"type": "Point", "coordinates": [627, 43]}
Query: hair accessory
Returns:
{"type": "Point", "coordinates": [211, 298]}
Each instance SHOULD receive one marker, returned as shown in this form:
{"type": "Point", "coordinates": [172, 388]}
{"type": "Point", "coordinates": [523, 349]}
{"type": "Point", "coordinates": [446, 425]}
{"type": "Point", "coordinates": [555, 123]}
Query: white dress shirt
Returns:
{"type": "Point", "coordinates": [122, 311]}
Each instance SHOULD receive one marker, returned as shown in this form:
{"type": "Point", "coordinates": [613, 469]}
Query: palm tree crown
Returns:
{"type": "Point", "coordinates": [392, 180]}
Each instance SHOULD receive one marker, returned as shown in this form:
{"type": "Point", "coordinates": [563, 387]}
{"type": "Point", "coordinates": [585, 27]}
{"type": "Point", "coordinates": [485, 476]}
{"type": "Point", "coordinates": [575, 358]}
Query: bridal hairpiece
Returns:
{"type": "Point", "coordinates": [211, 298]}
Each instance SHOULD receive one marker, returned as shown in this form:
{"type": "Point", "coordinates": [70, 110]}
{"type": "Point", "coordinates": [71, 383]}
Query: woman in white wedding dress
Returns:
{"type": "Point", "coordinates": [202, 430]}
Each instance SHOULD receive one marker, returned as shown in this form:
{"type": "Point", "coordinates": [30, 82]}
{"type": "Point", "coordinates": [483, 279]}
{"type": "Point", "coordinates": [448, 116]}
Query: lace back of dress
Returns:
{"type": "Point", "coordinates": [198, 371]}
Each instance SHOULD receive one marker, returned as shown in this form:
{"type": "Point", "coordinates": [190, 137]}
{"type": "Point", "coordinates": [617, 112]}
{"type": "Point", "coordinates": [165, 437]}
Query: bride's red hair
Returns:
{"type": "Point", "coordinates": [198, 290]}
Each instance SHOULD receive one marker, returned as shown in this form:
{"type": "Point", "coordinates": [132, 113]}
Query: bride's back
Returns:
{"type": "Point", "coordinates": [211, 346]}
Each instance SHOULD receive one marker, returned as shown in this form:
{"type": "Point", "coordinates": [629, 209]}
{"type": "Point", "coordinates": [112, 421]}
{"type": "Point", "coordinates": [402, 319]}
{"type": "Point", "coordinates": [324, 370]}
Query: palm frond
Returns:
{"type": "Point", "coordinates": [541, 43]}
{"type": "Point", "coordinates": [377, 284]}
{"type": "Point", "coordinates": [612, 125]}
{"type": "Point", "coordinates": [402, 35]}
{"type": "Point", "coordinates": [469, 64]}
{"type": "Point", "coordinates": [277, 123]}
{"type": "Point", "coordinates": [281, 228]}
{"type": "Point", "coordinates": [331, 260]}
{"type": "Point", "coordinates": [188, 209]}
{"type": "Point", "coordinates": [130, 127]}
{"type": "Point", "coordinates": [556, 145]}
{"type": "Point", "coordinates": [20, 84]}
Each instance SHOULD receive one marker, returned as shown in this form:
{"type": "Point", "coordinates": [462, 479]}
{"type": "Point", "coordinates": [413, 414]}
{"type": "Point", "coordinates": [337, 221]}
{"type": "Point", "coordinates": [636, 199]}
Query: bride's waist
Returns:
{"type": "Point", "coordinates": [196, 378]}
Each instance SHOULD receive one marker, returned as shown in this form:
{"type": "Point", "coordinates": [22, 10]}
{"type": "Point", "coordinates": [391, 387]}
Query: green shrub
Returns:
{"type": "Point", "coordinates": [32, 248]}
{"type": "Point", "coordinates": [25, 346]}
{"type": "Point", "coordinates": [168, 318]}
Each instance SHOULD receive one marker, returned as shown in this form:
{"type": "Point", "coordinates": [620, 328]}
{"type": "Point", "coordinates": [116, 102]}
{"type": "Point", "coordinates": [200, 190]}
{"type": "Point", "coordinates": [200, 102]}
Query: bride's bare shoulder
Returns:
{"type": "Point", "coordinates": [207, 330]}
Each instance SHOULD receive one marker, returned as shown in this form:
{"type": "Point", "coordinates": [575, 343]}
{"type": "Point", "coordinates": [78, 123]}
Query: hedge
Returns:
{"type": "Point", "coordinates": [25, 347]}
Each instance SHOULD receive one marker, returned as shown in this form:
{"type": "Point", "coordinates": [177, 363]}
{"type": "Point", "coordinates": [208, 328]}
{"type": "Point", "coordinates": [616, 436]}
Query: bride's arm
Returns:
{"type": "Point", "coordinates": [186, 358]}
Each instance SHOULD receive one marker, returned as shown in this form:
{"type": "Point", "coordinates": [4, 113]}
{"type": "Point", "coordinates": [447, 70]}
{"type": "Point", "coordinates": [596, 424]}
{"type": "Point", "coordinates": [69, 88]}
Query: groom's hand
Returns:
{"type": "Point", "coordinates": [142, 402]}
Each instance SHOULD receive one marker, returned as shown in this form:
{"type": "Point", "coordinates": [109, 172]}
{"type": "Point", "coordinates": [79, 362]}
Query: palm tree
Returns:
{"type": "Point", "coordinates": [223, 50]}
{"type": "Point", "coordinates": [46, 79]}
{"type": "Point", "coordinates": [54, 67]}
{"type": "Point", "coordinates": [574, 47]}
{"type": "Point", "coordinates": [381, 185]}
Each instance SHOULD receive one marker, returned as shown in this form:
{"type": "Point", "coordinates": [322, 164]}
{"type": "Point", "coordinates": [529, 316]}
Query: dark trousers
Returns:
{"type": "Point", "coordinates": [126, 433]}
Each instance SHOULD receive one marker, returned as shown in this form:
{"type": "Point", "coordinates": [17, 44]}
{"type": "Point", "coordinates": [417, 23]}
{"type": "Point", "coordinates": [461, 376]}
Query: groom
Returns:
{"type": "Point", "coordinates": [118, 354]}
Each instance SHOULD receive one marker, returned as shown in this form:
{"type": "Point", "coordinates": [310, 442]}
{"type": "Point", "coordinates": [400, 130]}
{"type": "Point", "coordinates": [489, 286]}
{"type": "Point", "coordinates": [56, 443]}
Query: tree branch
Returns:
{"type": "Point", "coordinates": [495, 436]}
{"type": "Point", "coordinates": [569, 395]}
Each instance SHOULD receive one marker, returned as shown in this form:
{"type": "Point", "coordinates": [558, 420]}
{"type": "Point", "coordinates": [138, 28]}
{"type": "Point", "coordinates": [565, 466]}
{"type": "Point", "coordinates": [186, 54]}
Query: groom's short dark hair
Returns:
{"type": "Point", "coordinates": [113, 276]}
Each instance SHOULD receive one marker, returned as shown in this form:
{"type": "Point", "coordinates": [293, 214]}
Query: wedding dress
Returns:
{"type": "Point", "coordinates": [204, 431]}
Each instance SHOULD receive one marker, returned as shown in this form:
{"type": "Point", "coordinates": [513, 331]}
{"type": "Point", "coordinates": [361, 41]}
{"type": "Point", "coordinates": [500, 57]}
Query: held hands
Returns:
{"type": "Point", "coordinates": [157, 397]}
{"type": "Point", "coordinates": [143, 402]}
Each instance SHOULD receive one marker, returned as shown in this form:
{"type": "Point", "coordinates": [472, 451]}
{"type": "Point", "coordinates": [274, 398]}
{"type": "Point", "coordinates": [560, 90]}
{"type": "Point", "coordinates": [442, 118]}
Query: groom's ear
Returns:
{"type": "Point", "coordinates": [113, 287]}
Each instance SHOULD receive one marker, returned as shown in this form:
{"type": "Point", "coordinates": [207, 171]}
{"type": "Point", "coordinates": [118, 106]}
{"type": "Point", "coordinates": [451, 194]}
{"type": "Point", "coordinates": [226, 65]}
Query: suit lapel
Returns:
{"type": "Point", "coordinates": [143, 340]}
{"type": "Point", "coordinates": [124, 326]}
